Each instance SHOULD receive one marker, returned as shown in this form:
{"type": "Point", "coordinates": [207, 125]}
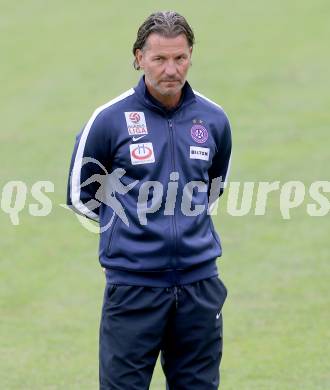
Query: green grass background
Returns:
{"type": "Point", "coordinates": [267, 63]}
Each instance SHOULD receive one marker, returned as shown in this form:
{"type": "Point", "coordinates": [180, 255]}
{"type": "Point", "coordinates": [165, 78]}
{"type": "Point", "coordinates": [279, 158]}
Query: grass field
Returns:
{"type": "Point", "coordinates": [268, 64]}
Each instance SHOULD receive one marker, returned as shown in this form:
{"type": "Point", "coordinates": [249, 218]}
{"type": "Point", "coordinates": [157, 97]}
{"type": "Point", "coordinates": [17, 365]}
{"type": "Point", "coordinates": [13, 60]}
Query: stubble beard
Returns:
{"type": "Point", "coordinates": [165, 91]}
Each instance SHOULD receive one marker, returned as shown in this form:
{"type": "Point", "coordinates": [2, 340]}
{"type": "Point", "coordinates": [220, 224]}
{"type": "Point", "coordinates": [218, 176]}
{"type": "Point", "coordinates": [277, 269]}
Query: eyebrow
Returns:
{"type": "Point", "coordinates": [165, 55]}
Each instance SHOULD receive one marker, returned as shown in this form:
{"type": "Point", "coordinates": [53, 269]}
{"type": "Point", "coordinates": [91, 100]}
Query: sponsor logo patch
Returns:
{"type": "Point", "coordinates": [136, 123]}
{"type": "Point", "coordinates": [199, 133]}
{"type": "Point", "coordinates": [142, 153]}
{"type": "Point", "coordinates": [199, 153]}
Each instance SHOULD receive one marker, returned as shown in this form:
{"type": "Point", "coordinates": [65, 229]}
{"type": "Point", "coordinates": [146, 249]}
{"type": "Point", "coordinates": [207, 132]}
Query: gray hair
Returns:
{"type": "Point", "coordinates": [169, 24]}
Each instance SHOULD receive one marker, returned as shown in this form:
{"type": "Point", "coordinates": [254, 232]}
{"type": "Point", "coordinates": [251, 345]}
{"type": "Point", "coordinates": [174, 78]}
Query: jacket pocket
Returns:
{"type": "Point", "coordinates": [214, 233]}
{"type": "Point", "coordinates": [112, 233]}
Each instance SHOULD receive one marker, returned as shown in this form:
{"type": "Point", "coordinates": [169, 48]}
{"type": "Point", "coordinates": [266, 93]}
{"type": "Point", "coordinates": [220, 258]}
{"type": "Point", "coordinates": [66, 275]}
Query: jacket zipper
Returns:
{"type": "Point", "coordinates": [170, 125]}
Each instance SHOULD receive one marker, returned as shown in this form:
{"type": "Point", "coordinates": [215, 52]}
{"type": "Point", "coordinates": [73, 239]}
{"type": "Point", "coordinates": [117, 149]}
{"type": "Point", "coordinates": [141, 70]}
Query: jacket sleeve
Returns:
{"type": "Point", "coordinates": [221, 161]}
{"type": "Point", "coordinates": [89, 163]}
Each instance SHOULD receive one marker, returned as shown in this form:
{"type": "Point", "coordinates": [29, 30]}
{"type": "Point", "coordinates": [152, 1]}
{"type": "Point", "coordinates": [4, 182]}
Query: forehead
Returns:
{"type": "Point", "coordinates": [158, 43]}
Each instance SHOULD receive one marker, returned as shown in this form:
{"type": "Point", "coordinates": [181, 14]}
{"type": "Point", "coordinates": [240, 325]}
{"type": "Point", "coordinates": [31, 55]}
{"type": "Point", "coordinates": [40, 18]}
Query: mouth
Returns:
{"type": "Point", "coordinates": [170, 81]}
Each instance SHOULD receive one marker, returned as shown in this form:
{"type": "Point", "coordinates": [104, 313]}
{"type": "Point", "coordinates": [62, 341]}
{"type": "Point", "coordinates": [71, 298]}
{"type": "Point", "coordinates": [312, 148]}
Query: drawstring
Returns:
{"type": "Point", "coordinates": [176, 292]}
{"type": "Point", "coordinates": [176, 295]}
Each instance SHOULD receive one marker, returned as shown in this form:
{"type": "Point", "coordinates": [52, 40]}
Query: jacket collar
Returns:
{"type": "Point", "coordinates": [187, 97]}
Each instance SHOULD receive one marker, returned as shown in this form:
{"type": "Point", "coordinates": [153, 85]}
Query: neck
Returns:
{"type": "Point", "coordinates": [169, 102]}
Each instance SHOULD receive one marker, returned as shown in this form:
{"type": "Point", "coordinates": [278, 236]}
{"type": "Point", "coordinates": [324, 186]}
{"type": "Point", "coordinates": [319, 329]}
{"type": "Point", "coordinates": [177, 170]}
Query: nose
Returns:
{"type": "Point", "coordinates": [170, 68]}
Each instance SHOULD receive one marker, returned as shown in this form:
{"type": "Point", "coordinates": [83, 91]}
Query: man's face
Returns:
{"type": "Point", "coordinates": [165, 62]}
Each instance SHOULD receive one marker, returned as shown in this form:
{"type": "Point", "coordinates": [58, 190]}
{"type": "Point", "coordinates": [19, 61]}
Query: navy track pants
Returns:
{"type": "Point", "coordinates": [184, 323]}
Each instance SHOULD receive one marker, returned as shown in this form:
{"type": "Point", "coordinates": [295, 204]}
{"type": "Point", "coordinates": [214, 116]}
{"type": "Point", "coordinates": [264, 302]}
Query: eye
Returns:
{"type": "Point", "coordinates": [181, 59]}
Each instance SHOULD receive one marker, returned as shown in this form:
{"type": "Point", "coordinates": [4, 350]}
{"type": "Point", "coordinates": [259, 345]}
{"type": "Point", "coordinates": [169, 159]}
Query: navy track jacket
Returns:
{"type": "Point", "coordinates": [148, 236]}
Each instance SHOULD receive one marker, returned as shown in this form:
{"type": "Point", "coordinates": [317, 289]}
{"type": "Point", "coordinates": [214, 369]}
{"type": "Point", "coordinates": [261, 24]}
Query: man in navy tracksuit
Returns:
{"type": "Point", "coordinates": [147, 166]}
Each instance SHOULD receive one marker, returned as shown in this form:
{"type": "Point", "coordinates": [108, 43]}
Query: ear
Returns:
{"type": "Point", "coordinates": [139, 58]}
